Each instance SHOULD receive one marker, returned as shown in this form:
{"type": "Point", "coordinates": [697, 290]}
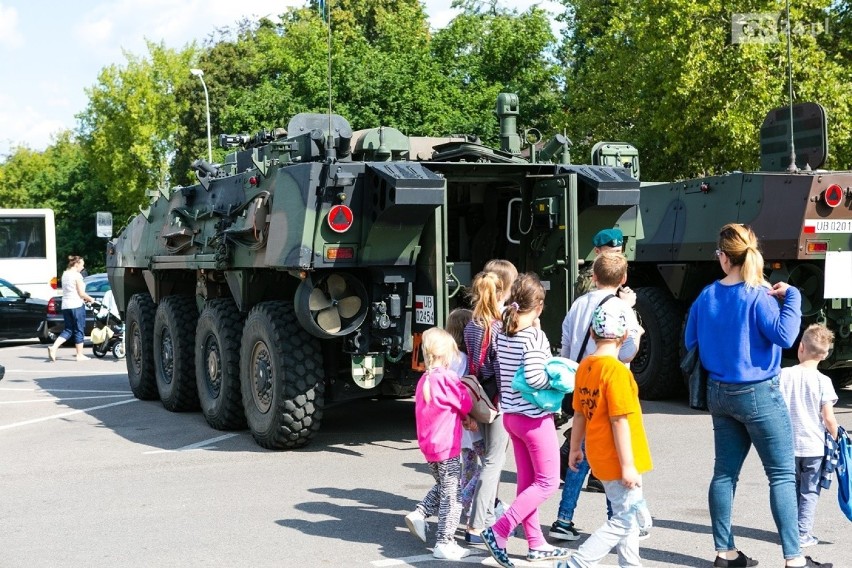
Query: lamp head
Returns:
{"type": "Point", "coordinates": [197, 72]}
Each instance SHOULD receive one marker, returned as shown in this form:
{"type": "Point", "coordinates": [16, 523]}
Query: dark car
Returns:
{"type": "Point", "coordinates": [21, 317]}
{"type": "Point", "coordinates": [96, 286]}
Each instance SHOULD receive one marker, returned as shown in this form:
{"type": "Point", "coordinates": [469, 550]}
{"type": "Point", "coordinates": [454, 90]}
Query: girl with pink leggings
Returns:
{"type": "Point", "coordinates": [531, 429]}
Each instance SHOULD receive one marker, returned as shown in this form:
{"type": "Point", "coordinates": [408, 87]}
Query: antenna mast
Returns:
{"type": "Point", "coordinates": [330, 151]}
{"type": "Point", "coordinates": [792, 166]}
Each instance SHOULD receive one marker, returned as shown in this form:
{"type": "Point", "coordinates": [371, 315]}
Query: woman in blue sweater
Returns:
{"type": "Point", "coordinates": [740, 324]}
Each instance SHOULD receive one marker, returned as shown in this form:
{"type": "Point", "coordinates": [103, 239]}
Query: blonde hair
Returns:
{"type": "Point", "coordinates": [505, 271]}
{"type": "Point", "coordinates": [817, 340]}
{"type": "Point", "coordinates": [739, 243]}
{"type": "Point", "coordinates": [609, 269]}
{"type": "Point", "coordinates": [439, 348]}
{"type": "Point", "coordinates": [486, 291]}
{"type": "Point", "coordinates": [527, 294]}
{"type": "Point", "coordinates": [456, 321]}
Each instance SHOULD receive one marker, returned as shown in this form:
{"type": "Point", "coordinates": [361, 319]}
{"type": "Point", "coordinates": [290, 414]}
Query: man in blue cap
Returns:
{"type": "Point", "coordinates": [606, 240]}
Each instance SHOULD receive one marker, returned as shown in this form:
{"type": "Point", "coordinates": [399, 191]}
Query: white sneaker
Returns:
{"type": "Point", "coordinates": [450, 551]}
{"type": "Point", "coordinates": [416, 523]}
{"type": "Point", "coordinates": [83, 358]}
{"type": "Point", "coordinates": [51, 352]}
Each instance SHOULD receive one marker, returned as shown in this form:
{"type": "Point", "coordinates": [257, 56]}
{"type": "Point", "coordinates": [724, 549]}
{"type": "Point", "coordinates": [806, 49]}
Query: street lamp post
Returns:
{"type": "Point", "coordinates": [200, 74]}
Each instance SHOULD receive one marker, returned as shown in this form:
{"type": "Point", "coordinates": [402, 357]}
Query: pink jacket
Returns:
{"type": "Point", "coordinates": [440, 403]}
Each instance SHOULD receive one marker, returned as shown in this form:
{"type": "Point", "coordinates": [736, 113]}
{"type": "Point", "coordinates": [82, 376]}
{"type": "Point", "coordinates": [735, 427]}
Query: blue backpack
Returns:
{"type": "Point", "coordinates": [844, 481]}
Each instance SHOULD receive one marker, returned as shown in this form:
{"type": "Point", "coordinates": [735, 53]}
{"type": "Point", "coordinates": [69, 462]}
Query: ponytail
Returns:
{"type": "Point", "coordinates": [740, 245]}
{"type": "Point", "coordinates": [485, 297]}
{"type": "Point", "coordinates": [527, 294]}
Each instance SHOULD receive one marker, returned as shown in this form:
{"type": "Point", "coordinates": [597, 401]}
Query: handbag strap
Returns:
{"type": "Point", "coordinates": [589, 330]}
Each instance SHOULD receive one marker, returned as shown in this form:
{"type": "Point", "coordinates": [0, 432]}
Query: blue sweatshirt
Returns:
{"type": "Point", "coordinates": [740, 331]}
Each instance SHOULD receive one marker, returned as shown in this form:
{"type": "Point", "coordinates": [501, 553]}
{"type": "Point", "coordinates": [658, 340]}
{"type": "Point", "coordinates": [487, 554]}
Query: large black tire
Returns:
{"type": "Point", "coordinates": [656, 365]}
{"type": "Point", "coordinates": [140, 347]}
{"type": "Point", "coordinates": [840, 377]}
{"type": "Point", "coordinates": [174, 361]}
{"type": "Point", "coordinates": [217, 364]}
{"type": "Point", "coordinates": [281, 375]}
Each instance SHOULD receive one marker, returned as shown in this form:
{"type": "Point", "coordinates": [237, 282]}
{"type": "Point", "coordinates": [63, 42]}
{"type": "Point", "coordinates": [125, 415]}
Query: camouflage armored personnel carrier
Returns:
{"type": "Point", "coordinates": [803, 220]}
{"type": "Point", "coordinates": [302, 272]}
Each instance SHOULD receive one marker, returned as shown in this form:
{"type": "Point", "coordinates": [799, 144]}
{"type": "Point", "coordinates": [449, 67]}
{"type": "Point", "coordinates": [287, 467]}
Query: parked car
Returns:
{"type": "Point", "coordinates": [96, 286]}
{"type": "Point", "coordinates": [21, 316]}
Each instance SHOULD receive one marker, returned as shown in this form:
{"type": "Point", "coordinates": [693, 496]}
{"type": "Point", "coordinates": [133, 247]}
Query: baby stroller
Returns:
{"type": "Point", "coordinates": [108, 333]}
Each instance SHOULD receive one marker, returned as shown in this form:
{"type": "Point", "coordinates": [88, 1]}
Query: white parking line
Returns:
{"type": "Point", "coordinates": [475, 558]}
{"type": "Point", "coordinates": [52, 399]}
{"type": "Point", "coordinates": [64, 414]}
{"type": "Point", "coordinates": [64, 372]}
{"type": "Point", "coordinates": [67, 390]}
{"type": "Point", "coordinates": [196, 446]}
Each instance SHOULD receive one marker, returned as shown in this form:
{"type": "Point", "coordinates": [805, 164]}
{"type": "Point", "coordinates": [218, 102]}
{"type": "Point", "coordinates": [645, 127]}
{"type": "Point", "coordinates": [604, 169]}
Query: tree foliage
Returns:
{"type": "Point", "coordinates": [58, 178]}
{"type": "Point", "coordinates": [130, 125]}
{"type": "Point", "coordinates": [666, 76]}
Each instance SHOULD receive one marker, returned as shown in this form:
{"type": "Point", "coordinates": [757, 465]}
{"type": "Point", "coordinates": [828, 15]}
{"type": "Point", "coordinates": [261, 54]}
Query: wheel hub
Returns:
{"type": "Point", "coordinates": [213, 376]}
{"type": "Point", "coordinates": [167, 350]}
{"type": "Point", "coordinates": [261, 366]}
{"type": "Point", "coordinates": [136, 349]}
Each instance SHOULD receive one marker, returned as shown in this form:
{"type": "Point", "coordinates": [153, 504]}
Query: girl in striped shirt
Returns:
{"type": "Point", "coordinates": [531, 429]}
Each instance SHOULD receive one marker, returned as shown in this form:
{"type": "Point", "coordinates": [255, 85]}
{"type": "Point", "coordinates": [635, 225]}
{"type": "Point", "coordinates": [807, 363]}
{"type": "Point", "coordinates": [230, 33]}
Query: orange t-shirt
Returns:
{"type": "Point", "coordinates": [604, 387]}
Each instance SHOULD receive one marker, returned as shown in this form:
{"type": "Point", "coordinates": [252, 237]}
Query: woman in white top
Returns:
{"type": "Point", "coordinates": [73, 308]}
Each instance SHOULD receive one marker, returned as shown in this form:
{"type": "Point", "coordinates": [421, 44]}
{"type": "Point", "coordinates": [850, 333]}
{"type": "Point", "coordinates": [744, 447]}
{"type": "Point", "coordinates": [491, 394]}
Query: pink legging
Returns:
{"type": "Point", "coordinates": [537, 460]}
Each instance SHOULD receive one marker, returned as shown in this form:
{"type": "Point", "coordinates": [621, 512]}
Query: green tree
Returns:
{"type": "Point", "coordinates": [666, 76]}
{"type": "Point", "coordinates": [486, 50]}
{"type": "Point", "coordinates": [130, 124]}
{"type": "Point", "coordinates": [58, 178]}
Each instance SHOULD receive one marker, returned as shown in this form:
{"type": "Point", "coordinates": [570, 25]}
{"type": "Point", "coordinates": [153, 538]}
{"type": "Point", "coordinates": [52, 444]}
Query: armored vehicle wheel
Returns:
{"type": "Point", "coordinates": [217, 364]}
{"type": "Point", "coordinates": [655, 366]}
{"type": "Point", "coordinates": [840, 377]}
{"type": "Point", "coordinates": [140, 347]}
{"type": "Point", "coordinates": [281, 371]}
{"type": "Point", "coordinates": [174, 362]}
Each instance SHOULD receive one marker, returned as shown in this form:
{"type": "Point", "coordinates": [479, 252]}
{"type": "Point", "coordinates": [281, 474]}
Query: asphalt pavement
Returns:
{"type": "Point", "coordinates": [92, 477]}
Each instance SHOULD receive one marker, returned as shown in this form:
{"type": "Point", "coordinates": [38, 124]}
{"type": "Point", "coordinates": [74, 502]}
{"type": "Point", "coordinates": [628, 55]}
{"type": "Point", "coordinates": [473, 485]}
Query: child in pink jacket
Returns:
{"type": "Point", "coordinates": [441, 402]}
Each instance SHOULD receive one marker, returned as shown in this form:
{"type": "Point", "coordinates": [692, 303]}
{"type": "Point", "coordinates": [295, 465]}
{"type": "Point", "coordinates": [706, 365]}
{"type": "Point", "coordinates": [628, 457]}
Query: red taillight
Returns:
{"type": "Point", "coordinates": [54, 283]}
{"type": "Point", "coordinates": [51, 307]}
{"type": "Point", "coordinates": [817, 246]}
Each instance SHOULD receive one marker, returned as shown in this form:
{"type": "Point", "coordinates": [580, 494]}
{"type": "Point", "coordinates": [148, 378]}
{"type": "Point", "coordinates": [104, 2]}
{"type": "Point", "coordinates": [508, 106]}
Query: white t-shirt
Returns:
{"type": "Point", "coordinates": [576, 324]}
{"type": "Point", "coordinates": [805, 390]}
{"type": "Point", "coordinates": [70, 297]}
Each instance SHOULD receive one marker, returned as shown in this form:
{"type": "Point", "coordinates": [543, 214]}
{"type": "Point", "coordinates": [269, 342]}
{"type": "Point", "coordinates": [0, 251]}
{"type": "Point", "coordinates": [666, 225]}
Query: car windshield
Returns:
{"type": "Point", "coordinates": [97, 285]}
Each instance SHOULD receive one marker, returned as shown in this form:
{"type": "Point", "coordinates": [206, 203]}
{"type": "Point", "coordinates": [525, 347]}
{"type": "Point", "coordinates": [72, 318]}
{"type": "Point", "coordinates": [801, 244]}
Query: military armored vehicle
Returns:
{"type": "Point", "coordinates": [301, 273]}
{"type": "Point", "coordinates": [803, 219]}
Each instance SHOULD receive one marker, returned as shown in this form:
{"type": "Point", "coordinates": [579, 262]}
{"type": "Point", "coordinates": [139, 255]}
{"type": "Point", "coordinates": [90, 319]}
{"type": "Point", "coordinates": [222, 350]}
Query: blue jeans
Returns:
{"type": "Point", "coordinates": [75, 324]}
{"type": "Point", "coordinates": [571, 490]}
{"type": "Point", "coordinates": [621, 531]}
{"type": "Point", "coordinates": [746, 415]}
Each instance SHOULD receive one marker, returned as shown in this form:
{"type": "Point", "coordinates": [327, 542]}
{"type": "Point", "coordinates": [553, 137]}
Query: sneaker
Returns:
{"type": "Point", "coordinates": [594, 485]}
{"type": "Point", "coordinates": [416, 523]}
{"type": "Point", "coordinates": [808, 540]}
{"type": "Point", "coordinates": [554, 554]}
{"type": "Point", "coordinates": [83, 357]}
{"type": "Point", "coordinates": [449, 551]}
{"type": "Point", "coordinates": [644, 535]}
{"type": "Point", "coordinates": [810, 562]}
{"type": "Point", "coordinates": [564, 530]}
{"type": "Point", "coordinates": [741, 561]}
{"type": "Point", "coordinates": [472, 538]}
{"type": "Point", "coordinates": [499, 554]}
{"type": "Point", "coordinates": [51, 352]}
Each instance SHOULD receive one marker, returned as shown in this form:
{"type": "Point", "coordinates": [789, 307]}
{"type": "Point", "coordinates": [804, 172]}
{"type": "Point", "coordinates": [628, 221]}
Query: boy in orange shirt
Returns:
{"type": "Point", "coordinates": [608, 415]}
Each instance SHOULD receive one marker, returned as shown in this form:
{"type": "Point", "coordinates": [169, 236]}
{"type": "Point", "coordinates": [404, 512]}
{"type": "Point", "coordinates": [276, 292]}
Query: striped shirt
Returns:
{"type": "Point", "coordinates": [528, 347]}
{"type": "Point", "coordinates": [474, 335]}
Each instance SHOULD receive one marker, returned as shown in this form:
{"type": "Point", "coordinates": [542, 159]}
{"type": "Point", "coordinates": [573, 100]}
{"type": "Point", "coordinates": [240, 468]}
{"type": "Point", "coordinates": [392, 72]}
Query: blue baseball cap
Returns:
{"type": "Point", "coordinates": [609, 238]}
